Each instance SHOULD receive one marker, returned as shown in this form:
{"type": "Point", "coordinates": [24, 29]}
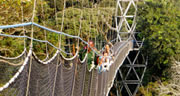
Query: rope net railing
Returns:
{"type": "Point", "coordinates": [41, 40]}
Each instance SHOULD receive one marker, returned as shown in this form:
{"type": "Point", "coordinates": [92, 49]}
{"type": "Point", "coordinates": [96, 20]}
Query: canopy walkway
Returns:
{"type": "Point", "coordinates": [66, 78]}
{"type": "Point", "coordinates": [67, 75]}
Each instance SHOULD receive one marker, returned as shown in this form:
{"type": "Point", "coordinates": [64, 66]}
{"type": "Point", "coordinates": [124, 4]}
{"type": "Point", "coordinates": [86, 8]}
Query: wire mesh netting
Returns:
{"type": "Point", "coordinates": [60, 78]}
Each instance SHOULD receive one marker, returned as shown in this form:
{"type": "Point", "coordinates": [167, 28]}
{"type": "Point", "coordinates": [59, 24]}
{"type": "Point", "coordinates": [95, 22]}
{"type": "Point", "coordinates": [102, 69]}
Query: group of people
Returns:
{"type": "Point", "coordinates": [101, 61]}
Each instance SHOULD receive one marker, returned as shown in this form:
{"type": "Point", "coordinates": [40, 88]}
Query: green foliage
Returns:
{"type": "Point", "coordinates": [69, 3]}
{"type": "Point", "coordinates": [151, 89]}
{"type": "Point", "coordinates": [11, 12]}
{"type": "Point", "coordinates": [159, 22]}
{"type": "Point", "coordinates": [148, 90]}
{"type": "Point", "coordinates": [91, 22]}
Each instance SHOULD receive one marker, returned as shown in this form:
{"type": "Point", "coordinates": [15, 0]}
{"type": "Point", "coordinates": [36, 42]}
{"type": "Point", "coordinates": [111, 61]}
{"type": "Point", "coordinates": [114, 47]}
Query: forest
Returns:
{"type": "Point", "coordinates": [157, 20]}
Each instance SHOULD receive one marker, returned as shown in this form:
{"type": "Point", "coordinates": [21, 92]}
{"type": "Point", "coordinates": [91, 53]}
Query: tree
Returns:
{"type": "Point", "coordinates": [158, 20]}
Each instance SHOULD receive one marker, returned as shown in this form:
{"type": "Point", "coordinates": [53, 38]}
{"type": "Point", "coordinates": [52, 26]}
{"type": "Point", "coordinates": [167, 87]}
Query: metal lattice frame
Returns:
{"type": "Point", "coordinates": [125, 10]}
{"type": "Point", "coordinates": [131, 74]}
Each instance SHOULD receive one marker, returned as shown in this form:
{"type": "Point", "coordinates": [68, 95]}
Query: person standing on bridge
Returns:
{"type": "Point", "coordinates": [106, 60]}
{"type": "Point", "coordinates": [110, 55]}
{"type": "Point", "coordinates": [92, 57]}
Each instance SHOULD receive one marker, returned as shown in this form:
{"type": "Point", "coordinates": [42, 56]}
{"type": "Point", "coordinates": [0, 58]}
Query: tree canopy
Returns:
{"type": "Point", "coordinates": [159, 23]}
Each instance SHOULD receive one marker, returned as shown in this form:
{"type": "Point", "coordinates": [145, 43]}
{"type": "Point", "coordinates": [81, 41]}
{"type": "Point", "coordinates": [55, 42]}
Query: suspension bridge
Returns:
{"type": "Point", "coordinates": [67, 75]}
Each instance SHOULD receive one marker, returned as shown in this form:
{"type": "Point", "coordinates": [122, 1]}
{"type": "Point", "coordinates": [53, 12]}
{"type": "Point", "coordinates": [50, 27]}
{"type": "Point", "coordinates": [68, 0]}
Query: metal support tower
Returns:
{"type": "Point", "coordinates": [130, 75]}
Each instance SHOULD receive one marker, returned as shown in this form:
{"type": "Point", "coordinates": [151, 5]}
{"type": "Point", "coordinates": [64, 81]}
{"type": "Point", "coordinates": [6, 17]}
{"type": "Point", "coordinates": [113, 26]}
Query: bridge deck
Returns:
{"type": "Point", "coordinates": [100, 83]}
{"type": "Point", "coordinates": [106, 79]}
{"type": "Point", "coordinates": [66, 78]}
